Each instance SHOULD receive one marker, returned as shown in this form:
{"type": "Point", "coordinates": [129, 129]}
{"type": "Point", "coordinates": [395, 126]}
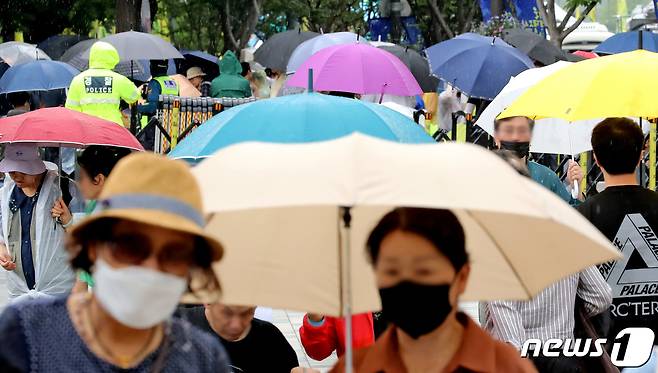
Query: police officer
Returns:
{"type": "Point", "coordinates": [160, 84]}
{"type": "Point", "coordinates": [98, 90]}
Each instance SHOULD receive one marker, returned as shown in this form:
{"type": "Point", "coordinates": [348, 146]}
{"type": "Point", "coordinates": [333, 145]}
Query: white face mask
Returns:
{"type": "Point", "coordinates": [136, 296]}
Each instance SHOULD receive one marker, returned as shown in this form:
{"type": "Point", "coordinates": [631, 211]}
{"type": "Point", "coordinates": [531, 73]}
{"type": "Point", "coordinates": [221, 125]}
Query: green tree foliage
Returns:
{"type": "Point", "coordinates": [39, 19]}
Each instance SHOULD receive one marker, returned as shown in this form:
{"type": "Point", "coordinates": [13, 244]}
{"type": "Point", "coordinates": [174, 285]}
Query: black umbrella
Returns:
{"type": "Point", "coordinates": [207, 62]}
{"type": "Point", "coordinates": [417, 64]}
{"type": "Point", "coordinates": [276, 51]}
{"type": "Point", "coordinates": [56, 45]}
{"type": "Point", "coordinates": [534, 45]}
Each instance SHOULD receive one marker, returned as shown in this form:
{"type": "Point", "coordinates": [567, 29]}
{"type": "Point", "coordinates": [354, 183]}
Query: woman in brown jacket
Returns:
{"type": "Point", "coordinates": [422, 268]}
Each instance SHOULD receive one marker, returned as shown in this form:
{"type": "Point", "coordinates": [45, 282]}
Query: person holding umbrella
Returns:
{"type": "Point", "coordinates": [99, 90]}
{"type": "Point", "coordinates": [421, 269]}
{"type": "Point", "coordinates": [147, 252]}
{"type": "Point", "coordinates": [31, 248]}
{"type": "Point", "coordinates": [514, 134]}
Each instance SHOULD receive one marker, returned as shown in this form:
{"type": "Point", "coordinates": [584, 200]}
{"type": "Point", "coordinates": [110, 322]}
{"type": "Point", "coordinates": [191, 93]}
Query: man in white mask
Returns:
{"type": "Point", "coordinates": [146, 251]}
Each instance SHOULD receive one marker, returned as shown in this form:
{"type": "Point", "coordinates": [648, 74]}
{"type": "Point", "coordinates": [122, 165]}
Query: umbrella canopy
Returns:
{"type": "Point", "coordinates": [276, 51]}
{"type": "Point", "coordinates": [185, 87]}
{"type": "Point", "coordinates": [56, 45]}
{"type": "Point", "coordinates": [308, 117]}
{"type": "Point", "coordinates": [314, 45]}
{"type": "Point", "coordinates": [78, 57]}
{"type": "Point", "coordinates": [477, 68]}
{"type": "Point", "coordinates": [520, 237]}
{"type": "Point", "coordinates": [534, 45]}
{"type": "Point", "coordinates": [620, 85]}
{"type": "Point", "coordinates": [357, 68]}
{"type": "Point", "coordinates": [41, 75]}
{"type": "Point", "coordinates": [14, 52]}
{"type": "Point", "coordinates": [550, 135]}
{"type": "Point", "coordinates": [133, 45]}
{"type": "Point", "coordinates": [207, 62]}
{"type": "Point", "coordinates": [417, 64]}
{"type": "Point", "coordinates": [585, 54]}
{"type": "Point", "coordinates": [628, 41]}
{"type": "Point", "coordinates": [60, 126]}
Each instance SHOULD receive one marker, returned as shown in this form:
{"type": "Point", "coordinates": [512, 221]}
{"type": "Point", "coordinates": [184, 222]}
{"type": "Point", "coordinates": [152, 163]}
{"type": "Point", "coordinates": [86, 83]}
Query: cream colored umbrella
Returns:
{"type": "Point", "coordinates": [278, 210]}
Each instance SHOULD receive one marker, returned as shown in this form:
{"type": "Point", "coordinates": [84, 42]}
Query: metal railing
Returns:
{"type": "Point", "coordinates": [176, 117]}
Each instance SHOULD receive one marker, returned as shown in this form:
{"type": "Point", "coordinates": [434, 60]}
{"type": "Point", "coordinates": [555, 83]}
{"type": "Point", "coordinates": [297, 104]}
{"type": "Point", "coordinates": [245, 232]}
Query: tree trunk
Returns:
{"type": "Point", "coordinates": [497, 8]}
{"type": "Point", "coordinates": [128, 15]}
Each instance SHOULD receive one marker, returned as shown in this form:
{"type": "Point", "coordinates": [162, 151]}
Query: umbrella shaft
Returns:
{"type": "Point", "coordinates": [346, 287]}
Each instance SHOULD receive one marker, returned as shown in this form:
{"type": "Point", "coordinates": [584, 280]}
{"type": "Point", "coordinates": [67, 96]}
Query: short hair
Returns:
{"type": "Point", "coordinates": [101, 160]}
{"type": "Point", "coordinates": [438, 226]}
{"type": "Point", "coordinates": [617, 145]}
{"type": "Point", "coordinates": [497, 122]}
{"type": "Point", "coordinates": [18, 98]}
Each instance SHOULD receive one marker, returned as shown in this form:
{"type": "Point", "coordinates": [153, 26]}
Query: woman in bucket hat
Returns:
{"type": "Point", "coordinates": [147, 251]}
{"type": "Point", "coordinates": [32, 245]}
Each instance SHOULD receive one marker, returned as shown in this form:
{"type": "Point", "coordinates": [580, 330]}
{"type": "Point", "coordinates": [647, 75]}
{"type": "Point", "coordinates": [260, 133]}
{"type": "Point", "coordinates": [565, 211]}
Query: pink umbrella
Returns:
{"type": "Point", "coordinates": [59, 126]}
{"type": "Point", "coordinates": [357, 68]}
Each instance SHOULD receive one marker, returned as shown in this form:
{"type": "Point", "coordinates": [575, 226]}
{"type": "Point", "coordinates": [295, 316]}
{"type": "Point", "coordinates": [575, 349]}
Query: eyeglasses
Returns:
{"type": "Point", "coordinates": [134, 249]}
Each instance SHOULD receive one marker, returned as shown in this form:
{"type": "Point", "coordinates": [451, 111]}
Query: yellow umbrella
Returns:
{"type": "Point", "coordinates": [620, 85]}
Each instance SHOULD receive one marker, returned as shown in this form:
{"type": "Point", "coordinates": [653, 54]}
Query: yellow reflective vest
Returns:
{"type": "Point", "coordinates": [98, 91]}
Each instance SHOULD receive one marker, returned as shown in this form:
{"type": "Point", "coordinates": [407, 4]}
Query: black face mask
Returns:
{"type": "Point", "coordinates": [520, 148]}
{"type": "Point", "coordinates": [416, 309]}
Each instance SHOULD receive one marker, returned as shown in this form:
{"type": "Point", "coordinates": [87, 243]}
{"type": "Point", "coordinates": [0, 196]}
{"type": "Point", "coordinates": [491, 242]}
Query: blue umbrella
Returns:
{"type": "Point", "coordinates": [476, 67]}
{"type": "Point", "coordinates": [298, 118]}
{"type": "Point", "coordinates": [41, 75]}
{"type": "Point", "coordinates": [628, 41]}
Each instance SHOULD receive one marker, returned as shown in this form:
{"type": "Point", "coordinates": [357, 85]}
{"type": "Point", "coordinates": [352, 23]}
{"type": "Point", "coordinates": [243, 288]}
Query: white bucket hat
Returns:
{"type": "Point", "coordinates": [22, 158]}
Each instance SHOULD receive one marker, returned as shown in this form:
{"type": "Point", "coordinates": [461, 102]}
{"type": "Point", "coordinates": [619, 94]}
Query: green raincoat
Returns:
{"type": "Point", "coordinates": [230, 82]}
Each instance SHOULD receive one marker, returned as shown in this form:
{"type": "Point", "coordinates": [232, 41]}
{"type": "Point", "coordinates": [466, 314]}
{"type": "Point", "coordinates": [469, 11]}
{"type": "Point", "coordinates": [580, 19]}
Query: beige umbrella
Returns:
{"type": "Point", "coordinates": [185, 87]}
{"type": "Point", "coordinates": [288, 242]}
{"type": "Point", "coordinates": [277, 209]}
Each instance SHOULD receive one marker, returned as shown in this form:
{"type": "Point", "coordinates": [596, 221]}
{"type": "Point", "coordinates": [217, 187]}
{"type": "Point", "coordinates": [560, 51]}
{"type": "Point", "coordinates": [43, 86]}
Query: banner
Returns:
{"type": "Point", "coordinates": [528, 14]}
{"type": "Point", "coordinates": [655, 8]}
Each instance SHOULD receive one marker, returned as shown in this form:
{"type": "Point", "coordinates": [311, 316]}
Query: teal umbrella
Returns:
{"type": "Point", "coordinates": [298, 118]}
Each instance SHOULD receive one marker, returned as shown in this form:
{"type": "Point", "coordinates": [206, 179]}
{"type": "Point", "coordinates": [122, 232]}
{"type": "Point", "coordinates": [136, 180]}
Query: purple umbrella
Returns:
{"type": "Point", "coordinates": [357, 68]}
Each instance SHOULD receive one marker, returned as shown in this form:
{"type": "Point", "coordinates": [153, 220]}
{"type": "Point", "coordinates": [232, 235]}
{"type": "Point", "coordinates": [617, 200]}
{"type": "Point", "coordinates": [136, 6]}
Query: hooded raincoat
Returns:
{"type": "Point", "coordinates": [230, 82]}
{"type": "Point", "coordinates": [53, 274]}
{"type": "Point", "coordinates": [98, 90]}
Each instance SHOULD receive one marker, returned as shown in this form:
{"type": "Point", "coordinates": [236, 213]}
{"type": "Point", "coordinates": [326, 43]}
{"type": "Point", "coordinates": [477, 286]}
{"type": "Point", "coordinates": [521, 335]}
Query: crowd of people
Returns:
{"type": "Point", "coordinates": [126, 283]}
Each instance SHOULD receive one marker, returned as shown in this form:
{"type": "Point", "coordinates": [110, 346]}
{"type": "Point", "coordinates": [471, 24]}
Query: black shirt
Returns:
{"type": "Point", "coordinates": [264, 349]}
{"type": "Point", "coordinates": [628, 216]}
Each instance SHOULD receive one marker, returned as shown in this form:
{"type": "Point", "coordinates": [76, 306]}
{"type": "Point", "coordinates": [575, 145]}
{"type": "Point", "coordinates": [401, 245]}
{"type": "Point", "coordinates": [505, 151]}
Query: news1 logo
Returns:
{"type": "Point", "coordinates": [631, 347]}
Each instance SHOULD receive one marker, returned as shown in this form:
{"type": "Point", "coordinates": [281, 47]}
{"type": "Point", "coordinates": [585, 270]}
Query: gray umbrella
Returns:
{"type": "Point", "coordinates": [534, 45]}
{"type": "Point", "coordinates": [15, 52]}
{"type": "Point", "coordinates": [133, 45]}
{"type": "Point", "coordinates": [417, 64]}
{"type": "Point", "coordinates": [78, 57]}
{"type": "Point", "coordinates": [276, 51]}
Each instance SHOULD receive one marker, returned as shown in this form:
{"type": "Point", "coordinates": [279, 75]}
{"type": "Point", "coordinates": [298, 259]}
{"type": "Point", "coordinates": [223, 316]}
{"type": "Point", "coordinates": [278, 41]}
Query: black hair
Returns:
{"type": "Point", "coordinates": [497, 122]}
{"type": "Point", "coordinates": [617, 145]}
{"type": "Point", "coordinates": [342, 94]}
{"type": "Point", "coordinates": [102, 230]}
{"type": "Point", "coordinates": [17, 99]}
{"type": "Point", "coordinates": [158, 67]}
{"type": "Point", "coordinates": [438, 226]}
{"type": "Point", "coordinates": [101, 160]}
{"type": "Point", "coordinates": [245, 68]}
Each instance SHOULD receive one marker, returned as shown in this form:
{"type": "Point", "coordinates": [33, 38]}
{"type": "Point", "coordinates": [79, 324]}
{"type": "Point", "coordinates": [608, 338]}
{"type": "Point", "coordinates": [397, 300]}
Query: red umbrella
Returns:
{"type": "Point", "coordinates": [60, 126]}
{"type": "Point", "coordinates": [585, 54]}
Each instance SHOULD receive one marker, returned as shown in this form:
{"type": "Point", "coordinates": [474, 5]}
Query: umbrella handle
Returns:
{"type": "Point", "coordinates": [575, 192]}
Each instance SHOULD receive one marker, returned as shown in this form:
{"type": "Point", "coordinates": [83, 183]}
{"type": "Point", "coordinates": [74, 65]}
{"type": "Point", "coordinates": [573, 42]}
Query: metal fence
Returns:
{"type": "Point", "coordinates": [177, 117]}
